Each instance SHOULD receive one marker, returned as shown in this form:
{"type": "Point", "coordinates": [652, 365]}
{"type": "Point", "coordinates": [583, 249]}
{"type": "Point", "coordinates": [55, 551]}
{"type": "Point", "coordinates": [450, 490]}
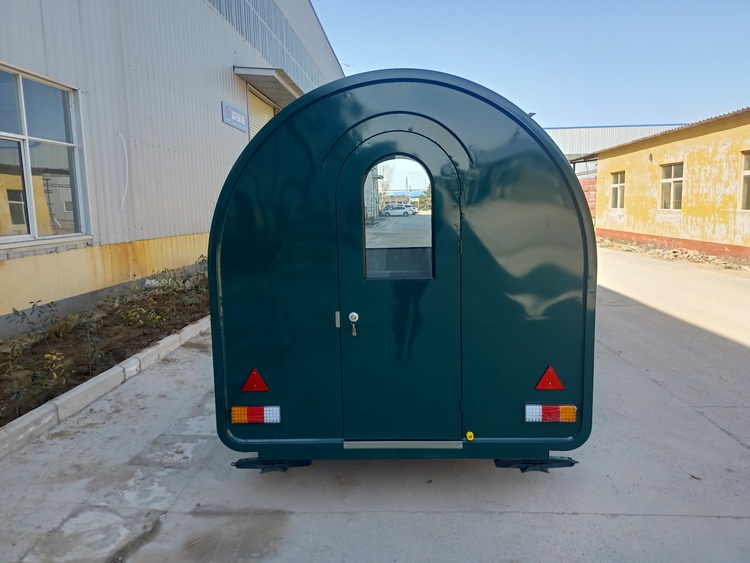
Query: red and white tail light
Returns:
{"type": "Point", "coordinates": [551, 413]}
{"type": "Point", "coordinates": [256, 415]}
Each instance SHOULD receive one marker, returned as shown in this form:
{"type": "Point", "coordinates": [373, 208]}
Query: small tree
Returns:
{"type": "Point", "coordinates": [425, 199]}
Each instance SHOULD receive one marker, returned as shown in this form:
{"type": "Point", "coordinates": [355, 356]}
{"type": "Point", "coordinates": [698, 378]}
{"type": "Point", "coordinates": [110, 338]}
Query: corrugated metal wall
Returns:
{"type": "Point", "coordinates": [263, 24]}
{"type": "Point", "coordinates": [151, 77]}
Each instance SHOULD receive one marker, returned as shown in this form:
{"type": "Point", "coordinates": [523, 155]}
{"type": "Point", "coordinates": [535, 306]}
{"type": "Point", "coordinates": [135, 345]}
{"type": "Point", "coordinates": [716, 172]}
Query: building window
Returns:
{"type": "Point", "coordinates": [746, 181]}
{"type": "Point", "coordinates": [37, 160]}
{"type": "Point", "coordinates": [618, 190]}
{"type": "Point", "coordinates": [671, 186]}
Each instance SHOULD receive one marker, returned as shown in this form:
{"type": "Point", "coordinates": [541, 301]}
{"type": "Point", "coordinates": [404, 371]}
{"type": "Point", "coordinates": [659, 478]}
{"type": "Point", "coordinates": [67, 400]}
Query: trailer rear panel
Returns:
{"type": "Point", "coordinates": [473, 328]}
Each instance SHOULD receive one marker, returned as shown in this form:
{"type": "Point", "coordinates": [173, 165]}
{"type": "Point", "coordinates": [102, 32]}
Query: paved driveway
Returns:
{"type": "Point", "coordinates": [140, 475]}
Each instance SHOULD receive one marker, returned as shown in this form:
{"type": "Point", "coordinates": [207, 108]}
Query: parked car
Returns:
{"type": "Point", "coordinates": [404, 210]}
{"type": "Point", "coordinates": [415, 210]}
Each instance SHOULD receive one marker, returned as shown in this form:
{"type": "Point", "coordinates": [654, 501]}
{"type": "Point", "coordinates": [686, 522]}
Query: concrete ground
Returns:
{"type": "Point", "coordinates": [140, 475]}
{"type": "Point", "coordinates": [400, 232]}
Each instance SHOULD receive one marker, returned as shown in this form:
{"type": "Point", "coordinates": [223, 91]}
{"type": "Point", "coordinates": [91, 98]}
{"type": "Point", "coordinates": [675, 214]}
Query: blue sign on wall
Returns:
{"type": "Point", "coordinates": [234, 117]}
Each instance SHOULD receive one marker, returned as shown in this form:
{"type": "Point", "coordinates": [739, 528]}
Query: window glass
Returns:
{"type": "Point", "coordinates": [746, 192]}
{"type": "Point", "coordinates": [51, 180]}
{"type": "Point", "coordinates": [666, 195]}
{"type": "Point", "coordinates": [13, 214]}
{"type": "Point", "coordinates": [677, 200]}
{"type": "Point", "coordinates": [618, 190]}
{"type": "Point", "coordinates": [397, 217]}
{"type": "Point", "coordinates": [671, 186]}
{"type": "Point", "coordinates": [747, 162]}
{"type": "Point", "coordinates": [9, 116]}
{"type": "Point", "coordinates": [46, 111]}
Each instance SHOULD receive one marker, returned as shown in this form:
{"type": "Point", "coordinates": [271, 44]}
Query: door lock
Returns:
{"type": "Point", "coordinates": [353, 318]}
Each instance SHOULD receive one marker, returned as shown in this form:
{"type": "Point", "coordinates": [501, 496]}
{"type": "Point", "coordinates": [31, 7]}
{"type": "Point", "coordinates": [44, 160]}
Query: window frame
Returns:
{"type": "Point", "coordinates": [618, 187]}
{"type": "Point", "coordinates": [26, 141]}
{"type": "Point", "coordinates": [671, 181]}
{"type": "Point", "coordinates": [744, 198]}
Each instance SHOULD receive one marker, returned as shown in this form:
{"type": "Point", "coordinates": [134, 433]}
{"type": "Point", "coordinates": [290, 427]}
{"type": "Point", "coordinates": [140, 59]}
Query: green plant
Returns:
{"type": "Point", "coordinates": [137, 316]}
{"type": "Point", "coordinates": [51, 352]}
{"type": "Point", "coordinates": [18, 398]}
{"type": "Point", "coordinates": [171, 284]}
{"type": "Point", "coordinates": [89, 321]}
{"type": "Point", "coordinates": [16, 375]}
{"type": "Point", "coordinates": [54, 365]}
{"type": "Point", "coordinates": [39, 322]}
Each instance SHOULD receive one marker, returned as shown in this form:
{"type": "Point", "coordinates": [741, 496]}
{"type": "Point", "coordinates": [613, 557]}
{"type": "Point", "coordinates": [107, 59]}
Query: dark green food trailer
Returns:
{"type": "Point", "coordinates": [402, 265]}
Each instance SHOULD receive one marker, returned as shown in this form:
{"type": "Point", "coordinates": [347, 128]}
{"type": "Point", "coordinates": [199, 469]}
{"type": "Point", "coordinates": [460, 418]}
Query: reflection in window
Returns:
{"type": "Point", "coordinates": [397, 217]}
{"type": "Point", "coordinates": [10, 118]}
{"type": "Point", "coordinates": [39, 195]}
{"type": "Point", "coordinates": [13, 220]}
{"type": "Point", "coordinates": [46, 111]}
{"type": "Point", "coordinates": [50, 174]}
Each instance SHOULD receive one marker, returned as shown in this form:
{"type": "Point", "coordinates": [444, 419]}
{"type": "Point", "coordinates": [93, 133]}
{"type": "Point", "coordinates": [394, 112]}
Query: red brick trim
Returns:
{"type": "Point", "coordinates": [711, 248]}
{"type": "Point", "coordinates": [589, 189]}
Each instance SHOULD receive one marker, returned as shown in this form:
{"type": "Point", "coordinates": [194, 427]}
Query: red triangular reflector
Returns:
{"type": "Point", "coordinates": [550, 380]}
{"type": "Point", "coordinates": [255, 382]}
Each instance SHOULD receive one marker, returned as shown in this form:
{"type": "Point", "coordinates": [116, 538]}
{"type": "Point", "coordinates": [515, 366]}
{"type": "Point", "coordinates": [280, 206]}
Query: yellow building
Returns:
{"type": "Point", "coordinates": [688, 187]}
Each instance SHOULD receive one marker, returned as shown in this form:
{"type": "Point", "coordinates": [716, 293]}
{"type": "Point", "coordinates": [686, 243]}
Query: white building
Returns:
{"type": "Point", "coordinates": [120, 120]}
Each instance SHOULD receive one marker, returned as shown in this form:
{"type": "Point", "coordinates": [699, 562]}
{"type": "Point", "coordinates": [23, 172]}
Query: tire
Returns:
{"type": "Point", "coordinates": [387, 214]}
{"type": "Point", "coordinates": [406, 213]}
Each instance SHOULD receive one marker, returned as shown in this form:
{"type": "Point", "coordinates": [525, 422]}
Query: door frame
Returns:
{"type": "Point", "coordinates": [424, 402]}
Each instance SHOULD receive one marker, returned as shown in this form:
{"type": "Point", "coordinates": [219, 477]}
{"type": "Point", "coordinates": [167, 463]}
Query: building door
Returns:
{"type": "Point", "coordinates": [260, 113]}
{"type": "Point", "coordinates": [399, 279]}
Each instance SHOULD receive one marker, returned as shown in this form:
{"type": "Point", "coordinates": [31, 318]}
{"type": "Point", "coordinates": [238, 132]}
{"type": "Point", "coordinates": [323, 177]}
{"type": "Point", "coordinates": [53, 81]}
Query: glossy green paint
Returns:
{"type": "Point", "coordinates": [514, 287]}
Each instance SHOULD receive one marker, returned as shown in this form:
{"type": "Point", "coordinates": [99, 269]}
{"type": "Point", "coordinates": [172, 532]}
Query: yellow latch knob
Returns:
{"type": "Point", "coordinates": [470, 436]}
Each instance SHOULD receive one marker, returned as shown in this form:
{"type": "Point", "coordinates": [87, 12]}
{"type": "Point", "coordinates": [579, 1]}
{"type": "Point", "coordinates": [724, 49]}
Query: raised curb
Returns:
{"type": "Point", "coordinates": [86, 393]}
{"type": "Point", "coordinates": [35, 423]}
{"type": "Point", "coordinates": [27, 427]}
{"type": "Point", "coordinates": [131, 367]}
{"type": "Point", "coordinates": [191, 331]}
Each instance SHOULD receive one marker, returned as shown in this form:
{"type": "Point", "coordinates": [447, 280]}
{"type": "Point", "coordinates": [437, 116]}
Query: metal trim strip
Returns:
{"type": "Point", "coordinates": [404, 444]}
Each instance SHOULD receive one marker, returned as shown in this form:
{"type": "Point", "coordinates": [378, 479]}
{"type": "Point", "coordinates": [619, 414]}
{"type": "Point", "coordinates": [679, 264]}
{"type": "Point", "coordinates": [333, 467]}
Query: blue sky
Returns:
{"type": "Point", "coordinates": [573, 63]}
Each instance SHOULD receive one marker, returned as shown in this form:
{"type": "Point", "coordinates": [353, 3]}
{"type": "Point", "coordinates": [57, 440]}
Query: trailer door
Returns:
{"type": "Point", "coordinates": [399, 279]}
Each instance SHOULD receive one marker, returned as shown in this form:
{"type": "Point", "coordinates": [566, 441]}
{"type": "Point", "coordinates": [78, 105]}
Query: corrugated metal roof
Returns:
{"type": "Point", "coordinates": [578, 141]}
{"type": "Point", "coordinates": [595, 154]}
